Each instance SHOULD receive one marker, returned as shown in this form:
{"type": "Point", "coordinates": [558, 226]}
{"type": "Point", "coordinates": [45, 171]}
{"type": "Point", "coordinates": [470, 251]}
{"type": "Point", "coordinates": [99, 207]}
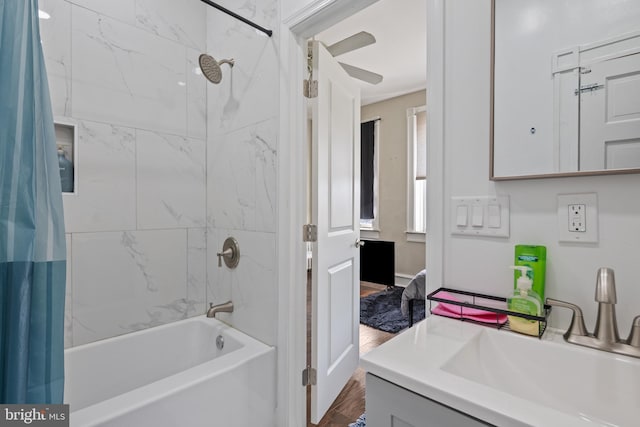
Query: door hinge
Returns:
{"type": "Point", "coordinates": [588, 88]}
{"type": "Point", "coordinates": [309, 233]}
{"type": "Point", "coordinates": [310, 88]}
{"type": "Point", "coordinates": [309, 376]}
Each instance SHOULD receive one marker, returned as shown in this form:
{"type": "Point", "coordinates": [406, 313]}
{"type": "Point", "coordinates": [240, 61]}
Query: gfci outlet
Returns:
{"type": "Point", "coordinates": [578, 218]}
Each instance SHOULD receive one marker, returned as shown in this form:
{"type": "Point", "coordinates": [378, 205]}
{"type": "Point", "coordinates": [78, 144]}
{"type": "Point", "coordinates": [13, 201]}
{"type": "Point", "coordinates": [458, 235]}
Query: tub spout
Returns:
{"type": "Point", "coordinates": [226, 307]}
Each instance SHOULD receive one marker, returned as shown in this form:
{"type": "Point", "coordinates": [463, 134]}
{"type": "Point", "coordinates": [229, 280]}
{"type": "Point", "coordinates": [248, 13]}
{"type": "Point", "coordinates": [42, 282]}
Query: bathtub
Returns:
{"type": "Point", "coordinates": [172, 375]}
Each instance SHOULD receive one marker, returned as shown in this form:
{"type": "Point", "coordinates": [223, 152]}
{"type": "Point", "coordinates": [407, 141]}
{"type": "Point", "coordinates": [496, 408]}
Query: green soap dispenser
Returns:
{"type": "Point", "coordinates": [524, 300]}
{"type": "Point", "coordinates": [534, 257]}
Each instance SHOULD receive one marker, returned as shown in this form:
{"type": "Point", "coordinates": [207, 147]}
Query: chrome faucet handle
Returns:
{"type": "Point", "coordinates": [634, 335]}
{"type": "Point", "coordinates": [577, 326]}
{"type": "Point", "coordinates": [606, 286]}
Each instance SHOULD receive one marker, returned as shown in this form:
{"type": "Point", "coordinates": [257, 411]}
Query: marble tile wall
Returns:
{"type": "Point", "coordinates": [168, 164]}
{"type": "Point", "coordinates": [242, 160]}
{"type": "Point", "coordinates": [124, 72]}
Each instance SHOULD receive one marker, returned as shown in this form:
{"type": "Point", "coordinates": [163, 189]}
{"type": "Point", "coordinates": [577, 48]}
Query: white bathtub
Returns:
{"type": "Point", "coordinates": [172, 375]}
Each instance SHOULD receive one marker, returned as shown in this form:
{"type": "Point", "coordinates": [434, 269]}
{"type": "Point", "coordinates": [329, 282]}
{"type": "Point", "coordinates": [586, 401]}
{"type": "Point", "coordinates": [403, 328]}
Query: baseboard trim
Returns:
{"type": "Point", "coordinates": [403, 279]}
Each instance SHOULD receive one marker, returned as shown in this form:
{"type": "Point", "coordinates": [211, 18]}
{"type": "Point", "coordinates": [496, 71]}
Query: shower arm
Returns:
{"type": "Point", "coordinates": [238, 17]}
{"type": "Point", "coordinates": [227, 61]}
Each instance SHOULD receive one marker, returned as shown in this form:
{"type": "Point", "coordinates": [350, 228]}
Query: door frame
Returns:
{"type": "Point", "coordinates": [292, 160]}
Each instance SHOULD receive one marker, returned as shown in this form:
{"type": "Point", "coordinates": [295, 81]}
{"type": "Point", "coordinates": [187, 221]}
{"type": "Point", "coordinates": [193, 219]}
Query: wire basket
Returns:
{"type": "Point", "coordinates": [489, 303]}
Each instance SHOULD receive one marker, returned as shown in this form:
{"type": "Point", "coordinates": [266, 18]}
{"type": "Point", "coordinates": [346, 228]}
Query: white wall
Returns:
{"type": "Point", "coordinates": [169, 165]}
{"type": "Point", "coordinates": [481, 263]}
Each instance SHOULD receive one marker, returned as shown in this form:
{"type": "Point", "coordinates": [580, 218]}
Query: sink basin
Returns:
{"type": "Point", "coordinates": [596, 386]}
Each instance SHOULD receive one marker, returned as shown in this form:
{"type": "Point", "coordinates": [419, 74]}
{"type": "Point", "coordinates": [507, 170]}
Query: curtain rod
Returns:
{"type": "Point", "coordinates": [235, 15]}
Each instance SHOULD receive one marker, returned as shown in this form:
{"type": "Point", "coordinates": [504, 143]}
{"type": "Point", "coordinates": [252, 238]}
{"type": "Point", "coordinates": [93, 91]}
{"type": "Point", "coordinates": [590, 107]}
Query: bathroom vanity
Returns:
{"type": "Point", "coordinates": [443, 372]}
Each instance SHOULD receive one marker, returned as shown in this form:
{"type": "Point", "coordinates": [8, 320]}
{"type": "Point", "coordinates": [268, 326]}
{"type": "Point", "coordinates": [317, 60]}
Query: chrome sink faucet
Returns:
{"type": "Point", "coordinates": [226, 307]}
{"type": "Point", "coordinates": [605, 336]}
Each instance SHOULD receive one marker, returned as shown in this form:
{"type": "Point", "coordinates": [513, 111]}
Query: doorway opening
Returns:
{"type": "Point", "coordinates": [394, 101]}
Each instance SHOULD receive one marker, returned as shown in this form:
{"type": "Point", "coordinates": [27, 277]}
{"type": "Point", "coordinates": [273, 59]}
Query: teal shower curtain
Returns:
{"type": "Point", "coordinates": [32, 245]}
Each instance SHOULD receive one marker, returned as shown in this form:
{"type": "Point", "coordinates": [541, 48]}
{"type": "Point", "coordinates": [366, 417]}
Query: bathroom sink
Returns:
{"type": "Point", "coordinates": [592, 385]}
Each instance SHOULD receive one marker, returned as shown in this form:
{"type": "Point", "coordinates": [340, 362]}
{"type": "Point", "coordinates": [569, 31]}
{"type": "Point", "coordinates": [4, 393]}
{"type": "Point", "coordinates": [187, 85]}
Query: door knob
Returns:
{"type": "Point", "coordinates": [359, 243]}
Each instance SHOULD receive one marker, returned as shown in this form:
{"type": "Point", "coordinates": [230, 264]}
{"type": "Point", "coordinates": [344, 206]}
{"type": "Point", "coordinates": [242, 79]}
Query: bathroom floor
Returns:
{"type": "Point", "coordinates": [349, 404]}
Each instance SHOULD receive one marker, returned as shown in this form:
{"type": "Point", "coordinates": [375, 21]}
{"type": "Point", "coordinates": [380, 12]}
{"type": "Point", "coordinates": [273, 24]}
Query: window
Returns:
{"type": "Point", "coordinates": [369, 147]}
{"type": "Point", "coordinates": [417, 173]}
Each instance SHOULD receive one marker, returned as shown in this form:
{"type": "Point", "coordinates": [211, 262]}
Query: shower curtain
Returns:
{"type": "Point", "coordinates": [32, 245]}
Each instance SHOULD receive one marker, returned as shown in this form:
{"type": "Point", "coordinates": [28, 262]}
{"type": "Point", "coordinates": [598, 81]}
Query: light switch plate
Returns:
{"type": "Point", "coordinates": [480, 216]}
{"type": "Point", "coordinates": [578, 218]}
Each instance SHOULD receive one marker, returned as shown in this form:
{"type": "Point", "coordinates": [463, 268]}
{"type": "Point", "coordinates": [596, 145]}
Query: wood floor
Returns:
{"type": "Point", "coordinates": [349, 404]}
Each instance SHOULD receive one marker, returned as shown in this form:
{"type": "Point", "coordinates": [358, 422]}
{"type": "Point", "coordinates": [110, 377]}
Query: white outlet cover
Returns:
{"type": "Point", "coordinates": [590, 235]}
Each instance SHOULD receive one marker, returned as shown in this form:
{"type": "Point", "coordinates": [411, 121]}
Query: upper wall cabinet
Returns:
{"type": "Point", "coordinates": [566, 88]}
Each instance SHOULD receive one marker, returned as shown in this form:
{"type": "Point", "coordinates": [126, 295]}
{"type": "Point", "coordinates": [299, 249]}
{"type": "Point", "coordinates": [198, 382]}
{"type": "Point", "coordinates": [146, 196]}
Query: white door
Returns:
{"type": "Point", "coordinates": [336, 212]}
{"type": "Point", "coordinates": [610, 115]}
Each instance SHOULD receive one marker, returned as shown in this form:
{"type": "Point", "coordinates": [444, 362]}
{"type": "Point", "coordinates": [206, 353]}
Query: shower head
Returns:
{"type": "Point", "coordinates": [211, 68]}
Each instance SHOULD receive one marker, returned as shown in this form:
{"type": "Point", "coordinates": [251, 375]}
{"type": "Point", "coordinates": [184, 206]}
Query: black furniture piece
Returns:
{"type": "Point", "coordinates": [377, 262]}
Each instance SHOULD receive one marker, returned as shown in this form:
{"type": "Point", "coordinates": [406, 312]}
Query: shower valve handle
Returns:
{"type": "Point", "coordinates": [226, 253]}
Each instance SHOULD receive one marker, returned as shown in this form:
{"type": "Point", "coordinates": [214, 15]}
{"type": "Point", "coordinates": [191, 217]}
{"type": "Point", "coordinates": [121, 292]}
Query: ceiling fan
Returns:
{"type": "Point", "coordinates": [354, 42]}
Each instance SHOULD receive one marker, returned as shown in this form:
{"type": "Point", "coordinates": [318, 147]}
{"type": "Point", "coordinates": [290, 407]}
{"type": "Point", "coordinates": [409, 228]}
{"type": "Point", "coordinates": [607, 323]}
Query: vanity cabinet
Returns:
{"type": "Point", "coordinates": [388, 405]}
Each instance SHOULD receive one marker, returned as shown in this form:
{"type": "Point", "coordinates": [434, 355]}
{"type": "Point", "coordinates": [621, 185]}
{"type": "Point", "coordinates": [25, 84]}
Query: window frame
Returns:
{"type": "Point", "coordinates": [412, 234]}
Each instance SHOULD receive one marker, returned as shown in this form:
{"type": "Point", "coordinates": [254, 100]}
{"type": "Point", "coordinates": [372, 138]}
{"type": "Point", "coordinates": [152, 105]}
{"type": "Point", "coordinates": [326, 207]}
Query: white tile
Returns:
{"type": "Point", "coordinates": [105, 198]}
{"type": "Point", "coordinates": [55, 34]}
{"type": "Point", "coordinates": [68, 298]}
{"type": "Point", "coordinates": [265, 140]}
{"type": "Point", "coordinates": [171, 181]}
{"type": "Point", "coordinates": [251, 285]}
{"type": "Point", "coordinates": [241, 178]}
{"type": "Point", "coordinates": [127, 76]}
{"type": "Point", "coordinates": [255, 292]}
{"type": "Point", "coordinates": [122, 10]}
{"type": "Point", "coordinates": [196, 97]}
{"type": "Point", "coordinates": [127, 281]}
{"type": "Point", "coordinates": [180, 21]}
{"type": "Point", "coordinates": [248, 92]}
{"type": "Point", "coordinates": [231, 175]}
{"type": "Point", "coordinates": [196, 271]}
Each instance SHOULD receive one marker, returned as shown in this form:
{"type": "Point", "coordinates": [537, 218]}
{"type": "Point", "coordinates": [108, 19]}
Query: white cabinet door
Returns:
{"type": "Point", "coordinates": [610, 115]}
{"type": "Point", "coordinates": [389, 405]}
{"type": "Point", "coordinates": [336, 212]}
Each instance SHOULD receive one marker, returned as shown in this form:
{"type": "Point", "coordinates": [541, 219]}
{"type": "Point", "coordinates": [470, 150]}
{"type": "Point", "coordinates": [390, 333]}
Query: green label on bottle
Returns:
{"type": "Point", "coordinates": [527, 258]}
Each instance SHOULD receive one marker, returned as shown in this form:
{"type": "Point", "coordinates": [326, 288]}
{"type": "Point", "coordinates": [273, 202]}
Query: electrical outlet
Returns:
{"type": "Point", "coordinates": [578, 218]}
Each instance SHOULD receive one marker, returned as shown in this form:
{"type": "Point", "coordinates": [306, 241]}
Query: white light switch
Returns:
{"type": "Point", "coordinates": [493, 211]}
{"type": "Point", "coordinates": [480, 216]}
{"type": "Point", "coordinates": [461, 216]}
{"type": "Point", "coordinates": [477, 216]}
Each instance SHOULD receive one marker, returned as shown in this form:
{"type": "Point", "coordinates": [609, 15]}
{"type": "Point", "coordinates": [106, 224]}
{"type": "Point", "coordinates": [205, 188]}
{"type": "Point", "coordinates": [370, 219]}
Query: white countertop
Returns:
{"type": "Point", "coordinates": [414, 358]}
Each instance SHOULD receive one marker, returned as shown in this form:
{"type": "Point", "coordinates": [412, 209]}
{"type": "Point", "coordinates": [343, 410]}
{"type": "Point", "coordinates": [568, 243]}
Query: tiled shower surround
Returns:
{"type": "Point", "coordinates": [168, 164]}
